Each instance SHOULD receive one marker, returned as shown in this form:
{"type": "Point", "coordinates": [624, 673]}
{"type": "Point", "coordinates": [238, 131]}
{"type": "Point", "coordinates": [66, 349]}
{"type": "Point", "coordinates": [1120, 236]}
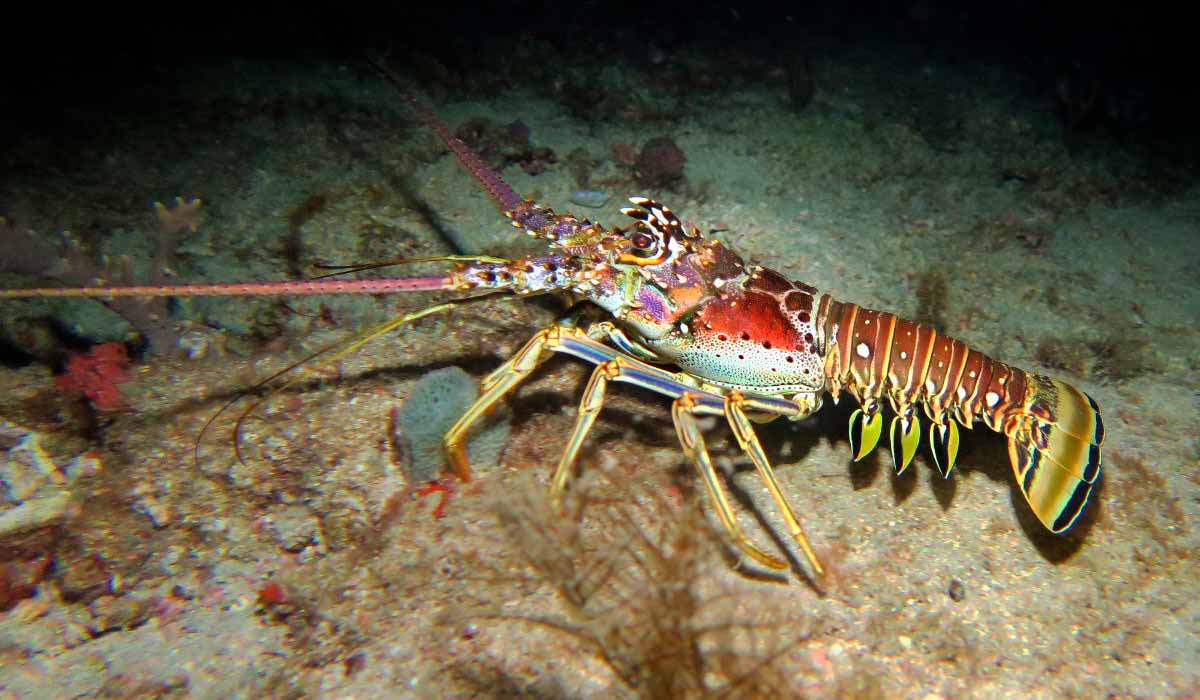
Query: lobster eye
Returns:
{"type": "Point", "coordinates": [647, 246]}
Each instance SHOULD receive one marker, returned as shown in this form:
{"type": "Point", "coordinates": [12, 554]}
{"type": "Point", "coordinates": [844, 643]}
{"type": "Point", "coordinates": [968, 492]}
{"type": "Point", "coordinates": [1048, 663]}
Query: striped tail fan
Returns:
{"type": "Point", "coordinates": [1054, 442]}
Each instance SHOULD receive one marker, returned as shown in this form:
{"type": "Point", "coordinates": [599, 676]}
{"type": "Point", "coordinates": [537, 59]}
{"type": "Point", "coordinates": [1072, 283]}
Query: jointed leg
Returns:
{"type": "Point", "coordinates": [493, 388]}
{"type": "Point", "coordinates": [744, 432]}
{"type": "Point", "coordinates": [690, 402]}
{"type": "Point", "coordinates": [505, 378]}
{"type": "Point", "coordinates": [589, 408]}
{"type": "Point", "coordinates": [692, 440]}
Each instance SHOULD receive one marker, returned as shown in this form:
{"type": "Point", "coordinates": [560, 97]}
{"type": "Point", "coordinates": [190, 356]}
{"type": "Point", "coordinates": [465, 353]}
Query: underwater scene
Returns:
{"type": "Point", "coordinates": [794, 351]}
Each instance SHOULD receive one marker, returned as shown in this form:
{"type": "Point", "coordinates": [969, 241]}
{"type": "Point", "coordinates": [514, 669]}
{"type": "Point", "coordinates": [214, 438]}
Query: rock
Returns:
{"type": "Point", "coordinates": [590, 198]}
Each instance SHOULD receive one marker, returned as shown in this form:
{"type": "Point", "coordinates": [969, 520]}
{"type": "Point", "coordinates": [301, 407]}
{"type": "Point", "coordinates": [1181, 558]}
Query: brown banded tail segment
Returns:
{"type": "Point", "coordinates": [945, 370]}
{"type": "Point", "coordinates": [874, 354]}
{"type": "Point", "coordinates": [913, 345]}
{"type": "Point", "coordinates": [1054, 430]}
{"type": "Point", "coordinates": [976, 371]}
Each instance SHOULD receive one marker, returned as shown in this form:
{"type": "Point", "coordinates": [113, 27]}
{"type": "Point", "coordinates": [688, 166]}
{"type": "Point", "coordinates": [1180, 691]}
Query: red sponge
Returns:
{"type": "Point", "coordinates": [97, 374]}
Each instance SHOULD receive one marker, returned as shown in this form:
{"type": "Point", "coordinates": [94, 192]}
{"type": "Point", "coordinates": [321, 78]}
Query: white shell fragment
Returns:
{"type": "Point", "coordinates": [34, 490]}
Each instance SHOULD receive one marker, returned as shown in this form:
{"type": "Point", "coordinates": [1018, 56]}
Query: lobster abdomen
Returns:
{"type": "Point", "coordinates": [1054, 430]}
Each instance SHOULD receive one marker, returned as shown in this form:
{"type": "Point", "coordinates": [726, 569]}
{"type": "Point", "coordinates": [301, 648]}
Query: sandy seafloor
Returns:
{"type": "Point", "coordinates": [316, 570]}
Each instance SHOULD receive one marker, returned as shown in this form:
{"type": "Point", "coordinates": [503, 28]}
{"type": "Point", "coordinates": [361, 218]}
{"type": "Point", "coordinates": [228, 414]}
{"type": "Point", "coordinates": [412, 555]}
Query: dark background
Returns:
{"type": "Point", "coordinates": [57, 60]}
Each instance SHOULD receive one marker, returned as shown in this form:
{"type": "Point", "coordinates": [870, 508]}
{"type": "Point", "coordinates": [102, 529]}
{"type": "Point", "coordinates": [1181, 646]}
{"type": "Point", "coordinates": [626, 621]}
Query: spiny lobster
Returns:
{"type": "Point", "coordinates": [745, 343]}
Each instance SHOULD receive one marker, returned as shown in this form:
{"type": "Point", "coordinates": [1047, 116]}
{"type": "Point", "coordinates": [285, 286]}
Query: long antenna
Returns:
{"type": "Point", "coordinates": [502, 195]}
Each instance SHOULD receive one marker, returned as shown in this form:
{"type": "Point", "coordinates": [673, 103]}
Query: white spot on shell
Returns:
{"type": "Point", "coordinates": [863, 351]}
{"type": "Point", "coordinates": [962, 393]}
{"type": "Point", "coordinates": [903, 355]}
{"type": "Point", "coordinates": [929, 387]}
{"type": "Point", "coordinates": [992, 398]}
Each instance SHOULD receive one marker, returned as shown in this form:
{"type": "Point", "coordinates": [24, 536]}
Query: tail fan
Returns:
{"type": "Point", "coordinates": [1054, 445]}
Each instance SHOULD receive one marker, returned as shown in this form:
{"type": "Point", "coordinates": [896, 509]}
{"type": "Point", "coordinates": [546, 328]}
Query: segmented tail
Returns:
{"type": "Point", "coordinates": [1054, 430]}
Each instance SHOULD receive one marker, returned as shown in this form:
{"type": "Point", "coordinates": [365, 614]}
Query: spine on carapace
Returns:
{"type": "Point", "coordinates": [1054, 430]}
